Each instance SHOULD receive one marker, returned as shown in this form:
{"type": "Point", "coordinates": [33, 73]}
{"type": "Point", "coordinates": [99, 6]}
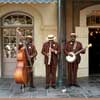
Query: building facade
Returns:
{"type": "Point", "coordinates": [42, 17]}
{"type": "Point", "coordinates": [33, 17]}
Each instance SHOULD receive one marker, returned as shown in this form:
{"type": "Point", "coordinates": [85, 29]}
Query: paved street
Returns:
{"type": "Point", "coordinates": [89, 88]}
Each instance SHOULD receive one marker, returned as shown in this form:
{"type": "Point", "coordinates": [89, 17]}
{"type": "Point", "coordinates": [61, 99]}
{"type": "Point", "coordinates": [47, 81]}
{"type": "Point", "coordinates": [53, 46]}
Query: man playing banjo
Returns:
{"type": "Point", "coordinates": [73, 61]}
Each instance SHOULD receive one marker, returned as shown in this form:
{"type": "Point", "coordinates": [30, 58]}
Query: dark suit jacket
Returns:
{"type": "Point", "coordinates": [45, 50]}
{"type": "Point", "coordinates": [32, 51]}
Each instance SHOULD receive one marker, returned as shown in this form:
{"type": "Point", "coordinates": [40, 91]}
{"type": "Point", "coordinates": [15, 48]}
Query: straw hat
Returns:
{"type": "Point", "coordinates": [51, 37]}
{"type": "Point", "coordinates": [73, 34]}
{"type": "Point", "coordinates": [29, 36]}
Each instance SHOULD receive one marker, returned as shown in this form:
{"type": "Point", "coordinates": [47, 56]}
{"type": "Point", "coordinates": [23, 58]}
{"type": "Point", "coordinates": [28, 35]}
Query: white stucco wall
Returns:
{"type": "Point", "coordinates": [82, 36]}
{"type": "Point", "coordinates": [45, 22]}
{"type": "Point", "coordinates": [82, 32]}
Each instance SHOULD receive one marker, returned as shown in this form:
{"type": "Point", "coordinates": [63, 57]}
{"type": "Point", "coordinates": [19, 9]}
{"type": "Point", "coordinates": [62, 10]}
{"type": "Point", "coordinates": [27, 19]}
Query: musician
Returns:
{"type": "Point", "coordinates": [72, 67]}
{"type": "Point", "coordinates": [50, 50]}
{"type": "Point", "coordinates": [32, 52]}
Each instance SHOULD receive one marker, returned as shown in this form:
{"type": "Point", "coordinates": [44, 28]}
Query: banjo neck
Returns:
{"type": "Point", "coordinates": [80, 51]}
{"type": "Point", "coordinates": [89, 45]}
{"type": "Point", "coordinates": [73, 57]}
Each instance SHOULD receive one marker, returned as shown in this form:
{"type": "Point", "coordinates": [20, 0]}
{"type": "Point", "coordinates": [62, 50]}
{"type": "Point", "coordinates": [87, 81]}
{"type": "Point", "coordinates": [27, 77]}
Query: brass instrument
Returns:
{"type": "Point", "coordinates": [49, 57]}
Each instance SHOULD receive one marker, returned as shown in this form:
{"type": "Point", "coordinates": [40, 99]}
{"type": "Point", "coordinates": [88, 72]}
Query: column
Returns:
{"type": "Point", "coordinates": [61, 40]}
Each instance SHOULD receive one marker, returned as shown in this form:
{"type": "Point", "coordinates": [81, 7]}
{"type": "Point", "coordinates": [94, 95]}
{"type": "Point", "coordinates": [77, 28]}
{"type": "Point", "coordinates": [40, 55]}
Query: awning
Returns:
{"type": "Point", "coordinates": [27, 1]}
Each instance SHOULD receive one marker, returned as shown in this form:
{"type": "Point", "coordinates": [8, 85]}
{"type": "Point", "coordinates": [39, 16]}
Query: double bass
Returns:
{"type": "Point", "coordinates": [22, 71]}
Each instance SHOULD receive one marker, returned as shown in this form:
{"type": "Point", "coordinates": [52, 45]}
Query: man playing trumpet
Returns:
{"type": "Point", "coordinates": [51, 50]}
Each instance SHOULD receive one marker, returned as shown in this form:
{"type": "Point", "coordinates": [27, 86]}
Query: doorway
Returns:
{"type": "Point", "coordinates": [10, 39]}
{"type": "Point", "coordinates": [94, 51]}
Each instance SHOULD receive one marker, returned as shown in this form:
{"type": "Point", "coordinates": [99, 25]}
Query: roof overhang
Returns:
{"type": "Point", "coordinates": [28, 1]}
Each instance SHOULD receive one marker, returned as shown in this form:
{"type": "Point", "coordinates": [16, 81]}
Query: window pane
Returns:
{"type": "Point", "coordinates": [6, 39]}
{"type": "Point", "coordinates": [5, 32]}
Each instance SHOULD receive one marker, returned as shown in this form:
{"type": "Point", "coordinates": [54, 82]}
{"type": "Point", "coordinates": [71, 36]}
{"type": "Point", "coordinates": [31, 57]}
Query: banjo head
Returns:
{"type": "Point", "coordinates": [71, 58]}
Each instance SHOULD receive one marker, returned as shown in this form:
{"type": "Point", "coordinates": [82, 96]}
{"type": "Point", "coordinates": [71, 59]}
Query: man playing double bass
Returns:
{"type": "Point", "coordinates": [72, 67]}
{"type": "Point", "coordinates": [31, 53]}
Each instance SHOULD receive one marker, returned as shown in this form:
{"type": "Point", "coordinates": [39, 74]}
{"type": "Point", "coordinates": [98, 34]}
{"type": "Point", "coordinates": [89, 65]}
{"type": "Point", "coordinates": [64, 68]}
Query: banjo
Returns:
{"type": "Point", "coordinates": [72, 56]}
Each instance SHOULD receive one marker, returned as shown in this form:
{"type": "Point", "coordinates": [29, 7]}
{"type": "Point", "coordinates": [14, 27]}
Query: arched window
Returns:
{"type": "Point", "coordinates": [17, 19]}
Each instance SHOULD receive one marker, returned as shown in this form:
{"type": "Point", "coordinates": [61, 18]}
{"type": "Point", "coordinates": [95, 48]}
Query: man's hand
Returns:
{"type": "Point", "coordinates": [52, 50]}
{"type": "Point", "coordinates": [70, 55]}
{"type": "Point", "coordinates": [47, 54]}
{"type": "Point", "coordinates": [31, 56]}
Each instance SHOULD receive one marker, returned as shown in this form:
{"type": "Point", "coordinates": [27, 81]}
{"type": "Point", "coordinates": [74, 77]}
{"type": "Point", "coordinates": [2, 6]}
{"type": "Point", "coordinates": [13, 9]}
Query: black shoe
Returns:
{"type": "Point", "coordinates": [32, 86]}
{"type": "Point", "coordinates": [20, 87]}
{"type": "Point", "coordinates": [76, 85]}
{"type": "Point", "coordinates": [69, 85]}
{"type": "Point", "coordinates": [54, 87]}
{"type": "Point", "coordinates": [47, 87]}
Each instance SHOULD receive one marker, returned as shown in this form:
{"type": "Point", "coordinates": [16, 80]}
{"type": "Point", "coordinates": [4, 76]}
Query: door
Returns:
{"type": "Point", "coordinates": [94, 52]}
{"type": "Point", "coordinates": [9, 51]}
{"type": "Point", "coordinates": [10, 39]}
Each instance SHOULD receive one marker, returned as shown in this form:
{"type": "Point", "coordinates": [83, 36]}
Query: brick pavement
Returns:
{"type": "Point", "coordinates": [89, 88]}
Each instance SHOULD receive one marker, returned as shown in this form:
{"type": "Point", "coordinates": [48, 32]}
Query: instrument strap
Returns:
{"type": "Point", "coordinates": [75, 44]}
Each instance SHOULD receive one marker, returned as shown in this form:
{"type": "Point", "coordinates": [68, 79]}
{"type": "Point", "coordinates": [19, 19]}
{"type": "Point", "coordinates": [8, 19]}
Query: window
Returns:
{"type": "Point", "coordinates": [93, 20]}
{"type": "Point", "coordinates": [17, 19]}
{"type": "Point", "coordinates": [10, 38]}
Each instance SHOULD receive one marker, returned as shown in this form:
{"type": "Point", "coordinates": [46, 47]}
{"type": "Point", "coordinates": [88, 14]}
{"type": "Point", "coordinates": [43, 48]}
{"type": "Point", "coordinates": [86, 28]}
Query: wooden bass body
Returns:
{"type": "Point", "coordinates": [21, 72]}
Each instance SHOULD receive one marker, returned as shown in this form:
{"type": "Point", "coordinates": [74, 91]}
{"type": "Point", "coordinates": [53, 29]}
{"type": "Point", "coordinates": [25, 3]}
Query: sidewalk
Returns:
{"type": "Point", "coordinates": [89, 88]}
